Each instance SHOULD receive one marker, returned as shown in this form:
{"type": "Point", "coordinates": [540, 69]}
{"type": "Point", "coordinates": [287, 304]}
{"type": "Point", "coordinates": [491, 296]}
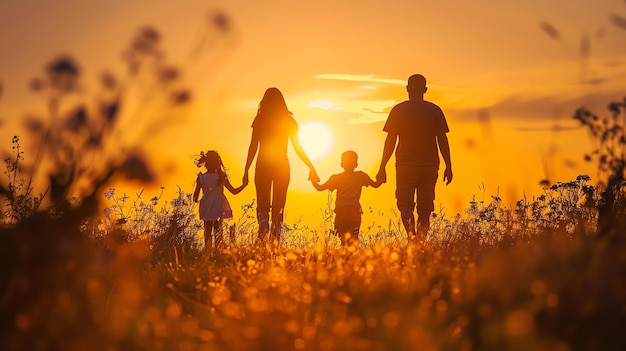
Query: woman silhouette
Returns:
{"type": "Point", "coordinates": [272, 129]}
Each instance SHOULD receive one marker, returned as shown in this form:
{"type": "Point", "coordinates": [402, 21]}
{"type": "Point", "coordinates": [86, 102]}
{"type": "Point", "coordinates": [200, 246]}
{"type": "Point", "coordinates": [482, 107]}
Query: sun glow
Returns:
{"type": "Point", "coordinates": [316, 138]}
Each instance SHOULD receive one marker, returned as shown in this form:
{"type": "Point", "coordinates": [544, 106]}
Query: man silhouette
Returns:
{"type": "Point", "coordinates": [419, 128]}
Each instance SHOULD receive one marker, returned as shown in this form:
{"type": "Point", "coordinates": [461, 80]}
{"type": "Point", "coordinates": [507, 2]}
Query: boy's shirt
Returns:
{"type": "Point", "coordinates": [348, 186]}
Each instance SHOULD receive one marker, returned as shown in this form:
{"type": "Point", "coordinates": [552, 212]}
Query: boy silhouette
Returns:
{"type": "Point", "coordinates": [347, 206]}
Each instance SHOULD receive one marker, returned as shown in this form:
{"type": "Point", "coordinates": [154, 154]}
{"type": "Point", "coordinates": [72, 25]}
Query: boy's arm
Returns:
{"type": "Point", "coordinates": [376, 184]}
{"type": "Point", "coordinates": [320, 187]}
{"type": "Point", "coordinates": [373, 183]}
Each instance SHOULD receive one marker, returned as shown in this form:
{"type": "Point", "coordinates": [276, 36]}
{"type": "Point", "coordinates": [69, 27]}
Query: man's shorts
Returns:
{"type": "Point", "coordinates": [416, 184]}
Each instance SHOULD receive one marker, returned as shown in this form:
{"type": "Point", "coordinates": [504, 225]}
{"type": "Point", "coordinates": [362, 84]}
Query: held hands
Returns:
{"type": "Point", "coordinates": [381, 176]}
{"type": "Point", "coordinates": [244, 179]}
{"type": "Point", "coordinates": [313, 177]}
{"type": "Point", "coordinates": [447, 175]}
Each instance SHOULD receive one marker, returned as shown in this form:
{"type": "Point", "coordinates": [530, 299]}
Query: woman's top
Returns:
{"type": "Point", "coordinates": [274, 136]}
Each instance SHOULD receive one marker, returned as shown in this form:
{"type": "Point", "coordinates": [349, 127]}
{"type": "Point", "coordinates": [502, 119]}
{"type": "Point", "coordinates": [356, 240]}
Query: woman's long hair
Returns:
{"type": "Point", "coordinates": [273, 105]}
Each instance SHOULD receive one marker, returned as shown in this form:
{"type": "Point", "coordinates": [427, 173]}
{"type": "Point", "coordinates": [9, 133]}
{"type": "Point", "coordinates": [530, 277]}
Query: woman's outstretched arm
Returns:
{"type": "Point", "coordinates": [297, 146]}
{"type": "Point", "coordinates": [252, 150]}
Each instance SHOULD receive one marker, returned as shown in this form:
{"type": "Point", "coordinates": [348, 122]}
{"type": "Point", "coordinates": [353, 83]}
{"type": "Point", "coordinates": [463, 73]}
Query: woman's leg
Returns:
{"type": "Point", "coordinates": [263, 184]}
{"type": "Point", "coordinates": [279, 198]}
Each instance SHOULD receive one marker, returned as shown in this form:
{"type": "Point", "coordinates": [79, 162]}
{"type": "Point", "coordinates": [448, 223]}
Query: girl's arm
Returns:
{"type": "Point", "coordinates": [196, 192]}
{"type": "Point", "coordinates": [232, 189]}
{"type": "Point", "coordinates": [297, 146]}
{"type": "Point", "coordinates": [252, 150]}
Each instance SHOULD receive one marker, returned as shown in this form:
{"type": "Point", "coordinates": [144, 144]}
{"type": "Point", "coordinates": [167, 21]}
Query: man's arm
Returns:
{"type": "Point", "coordinates": [388, 149]}
{"type": "Point", "coordinates": [444, 148]}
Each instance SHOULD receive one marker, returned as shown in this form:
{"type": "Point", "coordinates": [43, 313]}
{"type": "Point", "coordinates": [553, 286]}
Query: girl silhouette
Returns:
{"type": "Point", "coordinates": [272, 129]}
{"type": "Point", "coordinates": [214, 206]}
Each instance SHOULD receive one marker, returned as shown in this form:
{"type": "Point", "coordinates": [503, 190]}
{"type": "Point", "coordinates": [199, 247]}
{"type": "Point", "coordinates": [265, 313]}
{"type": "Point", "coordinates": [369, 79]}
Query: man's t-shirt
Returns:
{"type": "Point", "coordinates": [348, 186]}
{"type": "Point", "coordinates": [417, 124]}
{"type": "Point", "coordinates": [274, 136]}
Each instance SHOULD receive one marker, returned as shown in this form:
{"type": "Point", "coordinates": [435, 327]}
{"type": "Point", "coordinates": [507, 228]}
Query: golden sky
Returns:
{"type": "Point", "coordinates": [504, 72]}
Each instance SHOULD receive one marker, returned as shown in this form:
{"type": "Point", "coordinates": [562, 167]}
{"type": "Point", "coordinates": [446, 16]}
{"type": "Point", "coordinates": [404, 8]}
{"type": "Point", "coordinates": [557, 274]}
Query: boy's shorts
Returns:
{"type": "Point", "coordinates": [348, 220]}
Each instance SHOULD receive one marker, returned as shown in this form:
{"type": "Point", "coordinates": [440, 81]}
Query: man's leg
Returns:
{"type": "Point", "coordinates": [425, 200]}
{"type": "Point", "coordinates": [405, 196]}
{"type": "Point", "coordinates": [423, 224]}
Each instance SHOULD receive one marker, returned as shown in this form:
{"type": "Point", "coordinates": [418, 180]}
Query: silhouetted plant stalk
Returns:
{"type": "Point", "coordinates": [608, 132]}
{"type": "Point", "coordinates": [60, 289]}
{"type": "Point", "coordinates": [20, 203]}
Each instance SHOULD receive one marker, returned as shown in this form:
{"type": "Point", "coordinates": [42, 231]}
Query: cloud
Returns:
{"type": "Point", "coordinates": [367, 118]}
{"type": "Point", "coordinates": [368, 78]}
{"type": "Point", "coordinates": [324, 104]}
{"type": "Point", "coordinates": [555, 107]}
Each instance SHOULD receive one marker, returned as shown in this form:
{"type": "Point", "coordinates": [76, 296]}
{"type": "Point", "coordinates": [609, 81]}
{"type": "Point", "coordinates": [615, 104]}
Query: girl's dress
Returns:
{"type": "Point", "coordinates": [213, 204]}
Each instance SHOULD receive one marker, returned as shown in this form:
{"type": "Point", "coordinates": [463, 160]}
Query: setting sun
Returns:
{"type": "Point", "coordinates": [317, 139]}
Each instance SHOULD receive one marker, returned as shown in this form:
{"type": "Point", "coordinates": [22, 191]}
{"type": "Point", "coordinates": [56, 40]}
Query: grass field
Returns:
{"type": "Point", "coordinates": [532, 277]}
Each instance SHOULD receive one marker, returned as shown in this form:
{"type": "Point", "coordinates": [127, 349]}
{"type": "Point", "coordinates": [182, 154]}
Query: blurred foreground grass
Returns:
{"type": "Point", "coordinates": [534, 277]}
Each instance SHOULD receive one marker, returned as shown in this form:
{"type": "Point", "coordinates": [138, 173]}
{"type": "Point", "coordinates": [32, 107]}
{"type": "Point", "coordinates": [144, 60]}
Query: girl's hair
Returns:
{"type": "Point", "coordinates": [273, 105]}
{"type": "Point", "coordinates": [213, 163]}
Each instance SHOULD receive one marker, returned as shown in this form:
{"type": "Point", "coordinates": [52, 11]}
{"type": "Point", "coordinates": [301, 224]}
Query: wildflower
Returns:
{"type": "Point", "coordinates": [583, 177]}
{"type": "Point", "coordinates": [63, 73]}
{"type": "Point", "coordinates": [109, 193]}
{"type": "Point", "coordinates": [154, 201]}
{"type": "Point", "coordinates": [108, 212]}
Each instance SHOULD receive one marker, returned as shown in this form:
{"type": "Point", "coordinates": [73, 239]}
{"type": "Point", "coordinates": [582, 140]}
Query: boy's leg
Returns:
{"type": "Point", "coordinates": [341, 227]}
{"type": "Point", "coordinates": [347, 225]}
{"type": "Point", "coordinates": [354, 226]}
